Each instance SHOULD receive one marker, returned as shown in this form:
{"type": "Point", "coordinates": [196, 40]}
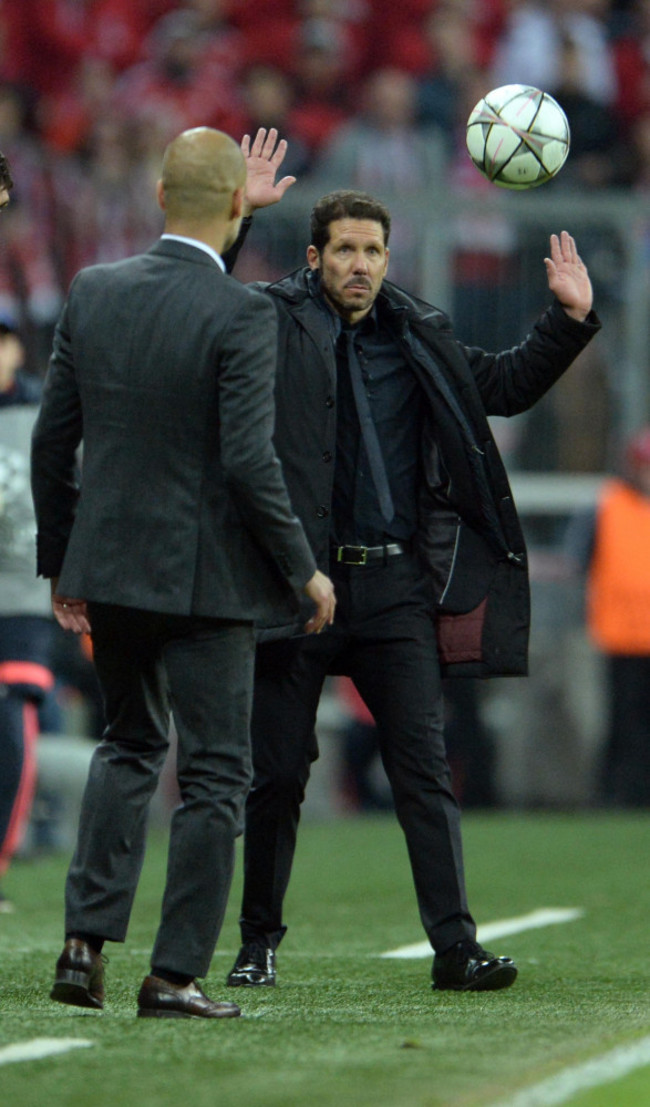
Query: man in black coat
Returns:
{"type": "Point", "coordinates": [383, 435]}
{"type": "Point", "coordinates": [178, 538]}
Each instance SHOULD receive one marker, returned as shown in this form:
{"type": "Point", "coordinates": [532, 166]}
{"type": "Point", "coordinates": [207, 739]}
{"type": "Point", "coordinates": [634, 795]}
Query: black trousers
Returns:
{"type": "Point", "coordinates": [149, 666]}
{"type": "Point", "coordinates": [625, 770]}
{"type": "Point", "coordinates": [383, 638]}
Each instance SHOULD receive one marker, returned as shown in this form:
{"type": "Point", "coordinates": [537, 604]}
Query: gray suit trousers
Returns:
{"type": "Point", "coordinates": [149, 667]}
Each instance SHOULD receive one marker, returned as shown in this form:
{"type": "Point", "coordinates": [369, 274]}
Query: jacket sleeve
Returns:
{"type": "Point", "coordinates": [229, 257]}
{"type": "Point", "coordinates": [54, 469]}
{"type": "Point", "coordinates": [512, 381]}
{"type": "Point", "coordinates": [247, 417]}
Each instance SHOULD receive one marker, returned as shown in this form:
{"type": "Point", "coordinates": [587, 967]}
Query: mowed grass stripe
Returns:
{"type": "Point", "coordinates": [39, 1048]}
{"type": "Point", "coordinates": [560, 1089]}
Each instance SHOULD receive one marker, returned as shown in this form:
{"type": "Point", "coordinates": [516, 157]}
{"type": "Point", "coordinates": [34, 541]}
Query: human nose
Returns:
{"type": "Point", "coordinates": [360, 263]}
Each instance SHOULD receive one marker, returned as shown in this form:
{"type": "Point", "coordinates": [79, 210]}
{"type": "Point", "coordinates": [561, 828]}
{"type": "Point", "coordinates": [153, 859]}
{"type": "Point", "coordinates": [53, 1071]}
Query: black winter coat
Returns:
{"type": "Point", "coordinates": [469, 535]}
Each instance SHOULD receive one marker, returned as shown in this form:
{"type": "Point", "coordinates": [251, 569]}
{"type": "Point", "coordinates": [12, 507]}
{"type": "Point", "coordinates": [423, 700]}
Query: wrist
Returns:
{"type": "Point", "coordinates": [578, 314]}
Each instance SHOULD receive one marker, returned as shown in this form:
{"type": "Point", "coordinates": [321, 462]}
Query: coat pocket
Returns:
{"type": "Point", "coordinates": [460, 637]}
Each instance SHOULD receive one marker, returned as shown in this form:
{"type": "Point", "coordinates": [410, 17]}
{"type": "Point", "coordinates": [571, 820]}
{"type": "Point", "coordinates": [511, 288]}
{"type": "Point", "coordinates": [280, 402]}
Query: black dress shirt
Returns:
{"type": "Point", "coordinates": [396, 404]}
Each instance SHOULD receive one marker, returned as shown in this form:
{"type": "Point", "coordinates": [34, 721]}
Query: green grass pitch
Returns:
{"type": "Point", "coordinates": [344, 1027]}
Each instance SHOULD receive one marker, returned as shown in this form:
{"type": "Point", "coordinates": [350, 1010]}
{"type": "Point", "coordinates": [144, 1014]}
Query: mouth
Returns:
{"type": "Point", "coordinates": [358, 286]}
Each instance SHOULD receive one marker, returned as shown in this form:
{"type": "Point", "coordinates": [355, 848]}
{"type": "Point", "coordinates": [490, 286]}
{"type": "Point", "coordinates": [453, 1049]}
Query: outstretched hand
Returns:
{"type": "Point", "coordinates": [263, 160]}
{"type": "Point", "coordinates": [568, 278]}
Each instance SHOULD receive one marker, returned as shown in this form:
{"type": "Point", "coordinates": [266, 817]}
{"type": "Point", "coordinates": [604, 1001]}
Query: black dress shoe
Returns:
{"type": "Point", "coordinates": [79, 978]}
{"type": "Point", "coordinates": [159, 999]}
{"type": "Point", "coordinates": [255, 966]}
{"type": "Point", "coordinates": [467, 967]}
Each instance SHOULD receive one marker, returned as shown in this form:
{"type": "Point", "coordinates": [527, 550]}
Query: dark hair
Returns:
{"type": "Point", "coordinates": [6, 180]}
{"type": "Point", "coordinates": [345, 204]}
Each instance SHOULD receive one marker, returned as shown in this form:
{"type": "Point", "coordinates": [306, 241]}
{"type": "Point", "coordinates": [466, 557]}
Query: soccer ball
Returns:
{"type": "Point", "coordinates": [518, 137]}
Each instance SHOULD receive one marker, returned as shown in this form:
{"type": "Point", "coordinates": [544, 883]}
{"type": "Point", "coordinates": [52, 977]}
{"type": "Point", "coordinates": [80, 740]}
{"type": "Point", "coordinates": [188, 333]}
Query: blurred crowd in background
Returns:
{"type": "Point", "coordinates": [92, 90]}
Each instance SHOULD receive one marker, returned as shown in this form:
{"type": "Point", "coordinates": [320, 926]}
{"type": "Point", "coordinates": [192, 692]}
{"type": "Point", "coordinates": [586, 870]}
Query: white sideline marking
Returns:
{"type": "Point", "coordinates": [578, 1078]}
{"type": "Point", "coordinates": [39, 1047]}
{"type": "Point", "coordinates": [545, 916]}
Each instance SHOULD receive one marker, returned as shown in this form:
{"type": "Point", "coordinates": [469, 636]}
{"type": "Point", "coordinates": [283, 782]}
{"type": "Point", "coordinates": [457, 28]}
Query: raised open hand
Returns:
{"type": "Point", "coordinates": [568, 278]}
{"type": "Point", "coordinates": [263, 160]}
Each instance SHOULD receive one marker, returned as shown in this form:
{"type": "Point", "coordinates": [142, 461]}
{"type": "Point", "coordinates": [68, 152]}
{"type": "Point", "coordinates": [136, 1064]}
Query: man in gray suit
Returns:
{"type": "Point", "coordinates": [179, 536]}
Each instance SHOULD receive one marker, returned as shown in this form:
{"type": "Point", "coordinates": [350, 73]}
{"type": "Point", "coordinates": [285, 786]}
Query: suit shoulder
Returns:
{"type": "Point", "coordinates": [248, 296]}
{"type": "Point", "coordinates": [103, 271]}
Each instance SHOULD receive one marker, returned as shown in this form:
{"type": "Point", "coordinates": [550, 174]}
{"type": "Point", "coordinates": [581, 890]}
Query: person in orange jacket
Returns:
{"type": "Point", "coordinates": [612, 543]}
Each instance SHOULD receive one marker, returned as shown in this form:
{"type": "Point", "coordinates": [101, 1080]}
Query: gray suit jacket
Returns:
{"type": "Point", "coordinates": [164, 367]}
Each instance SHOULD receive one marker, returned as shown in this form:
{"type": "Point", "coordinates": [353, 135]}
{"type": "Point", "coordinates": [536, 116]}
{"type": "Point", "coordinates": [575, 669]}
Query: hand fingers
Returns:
{"type": "Point", "coordinates": [264, 143]}
{"type": "Point", "coordinates": [563, 248]}
{"type": "Point", "coordinates": [556, 251]}
{"type": "Point", "coordinates": [284, 184]}
{"type": "Point", "coordinates": [269, 145]}
{"type": "Point", "coordinates": [569, 248]}
{"type": "Point", "coordinates": [314, 625]}
{"type": "Point", "coordinates": [70, 621]}
{"type": "Point", "coordinates": [324, 616]}
{"type": "Point", "coordinates": [278, 157]}
{"type": "Point", "coordinates": [71, 615]}
{"type": "Point", "coordinates": [264, 146]}
{"type": "Point", "coordinates": [258, 142]}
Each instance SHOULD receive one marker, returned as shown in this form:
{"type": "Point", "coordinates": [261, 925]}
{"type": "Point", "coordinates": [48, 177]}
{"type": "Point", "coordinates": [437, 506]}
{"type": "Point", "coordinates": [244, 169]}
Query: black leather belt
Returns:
{"type": "Point", "coordinates": [364, 555]}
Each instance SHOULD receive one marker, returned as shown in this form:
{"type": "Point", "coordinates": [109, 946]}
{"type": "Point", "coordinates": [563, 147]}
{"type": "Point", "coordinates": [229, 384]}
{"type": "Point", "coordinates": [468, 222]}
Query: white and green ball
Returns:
{"type": "Point", "coordinates": [518, 137]}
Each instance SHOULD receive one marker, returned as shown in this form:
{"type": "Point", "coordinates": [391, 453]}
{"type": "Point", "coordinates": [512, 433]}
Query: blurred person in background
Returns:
{"type": "Point", "coordinates": [324, 81]}
{"type": "Point", "coordinates": [277, 32]}
{"type": "Point", "coordinates": [103, 194]}
{"type": "Point", "coordinates": [180, 80]}
{"type": "Point", "coordinates": [30, 288]}
{"type": "Point", "coordinates": [454, 59]}
{"type": "Point", "coordinates": [61, 34]}
{"type": "Point", "coordinates": [530, 47]}
{"type": "Point", "coordinates": [611, 544]}
{"type": "Point", "coordinates": [600, 149]}
{"type": "Point", "coordinates": [268, 99]}
{"type": "Point", "coordinates": [26, 624]}
{"type": "Point", "coordinates": [630, 44]}
{"type": "Point", "coordinates": [15, 55]}
{"type": "Point", "coordinates": [383, 149]}
{"type": "Point", "coordinates": [66, 118]}
{"type": "Point", "coordinates": [415, 35]}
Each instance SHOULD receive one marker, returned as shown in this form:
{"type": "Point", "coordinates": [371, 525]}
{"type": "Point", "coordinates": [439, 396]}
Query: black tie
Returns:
{"type": "Point", "coordinates": [368, 431]}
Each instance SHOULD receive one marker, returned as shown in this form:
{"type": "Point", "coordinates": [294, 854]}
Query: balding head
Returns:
{"type": "Point", "coordinates": [202, 169]}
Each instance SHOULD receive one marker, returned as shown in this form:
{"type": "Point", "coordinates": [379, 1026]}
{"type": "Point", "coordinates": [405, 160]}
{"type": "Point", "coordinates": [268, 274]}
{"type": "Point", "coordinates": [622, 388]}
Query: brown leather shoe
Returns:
{"type": "Point", "coordinates": [158, 999]}
{"type": "Point", "coordinates": [79, 978]}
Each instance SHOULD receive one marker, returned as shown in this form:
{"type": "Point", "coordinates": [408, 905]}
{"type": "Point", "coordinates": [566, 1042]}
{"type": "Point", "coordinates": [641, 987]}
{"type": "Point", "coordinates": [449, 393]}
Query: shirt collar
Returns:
{"type": "Point", "coordinates": [199, 245]}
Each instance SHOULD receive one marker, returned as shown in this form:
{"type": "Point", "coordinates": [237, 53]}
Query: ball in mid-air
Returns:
{"type": "Point", "coordinates": [518, 136]}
